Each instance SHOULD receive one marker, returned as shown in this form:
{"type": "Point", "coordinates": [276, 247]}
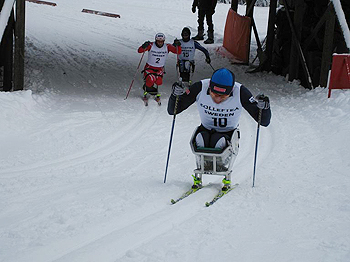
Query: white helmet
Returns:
{"type": "Point", "coordinates": [160, 37]}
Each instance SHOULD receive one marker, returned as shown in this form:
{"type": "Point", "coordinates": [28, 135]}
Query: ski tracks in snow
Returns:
{"type": "Point", "coordinates": [105, 127]}
{"type": "Point", "coordinates": [120, 239]}
{"type": "Point", "coordinates": [133, 128]}
{"type": "Point", "coordinates": [123, 240]}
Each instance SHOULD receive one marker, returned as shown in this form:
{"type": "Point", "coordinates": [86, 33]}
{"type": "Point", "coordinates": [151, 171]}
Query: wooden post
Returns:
{"type": "Point", "coordinates": [270, 34]}
{"type": "Point", "coordinates": [327, 47]}
{"type": "Point", "coordinates": [249, 13]}
{"type": "Point", "coordinates": [234, 5]}
{"type": "Point", "coordinates": [316, 29]}
{"type": "Point", "coordinates": [19, 45]}
{"type": "Point", "coordinates": [1, 56]}
{"type": "Point", "coordinates": [250, 8]}
{"type": "Point", "coordinates": [7, 54]}
{"type": "Point", "coordinates": [298, 23]}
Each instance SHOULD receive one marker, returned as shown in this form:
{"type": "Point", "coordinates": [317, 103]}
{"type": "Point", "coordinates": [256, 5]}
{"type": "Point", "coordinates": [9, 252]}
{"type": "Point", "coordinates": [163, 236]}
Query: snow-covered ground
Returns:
{"type": "Point", "coordinates": [82, 169]}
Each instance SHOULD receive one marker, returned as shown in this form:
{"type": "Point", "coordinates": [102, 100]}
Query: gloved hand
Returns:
{"type": "Point", "coordinates": [145, 44]}
{"type": "Point", "coordinates": [263, 102]}
{"type": "Point", "coordinates": [194, 9]}
{"type": "Point", "coordinates": [208, 60]}
{"type": "Point", "coordinates": [176, 43]}
{"type": "Point", "coordinates": [178, 89]}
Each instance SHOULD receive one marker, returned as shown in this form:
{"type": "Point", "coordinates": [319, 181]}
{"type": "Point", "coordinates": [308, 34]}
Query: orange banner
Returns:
{"type": "Point", "coordinates": [237, 36]}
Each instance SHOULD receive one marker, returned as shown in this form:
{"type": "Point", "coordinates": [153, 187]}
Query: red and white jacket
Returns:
{"type": "Point", "coordinates": [157, 56]}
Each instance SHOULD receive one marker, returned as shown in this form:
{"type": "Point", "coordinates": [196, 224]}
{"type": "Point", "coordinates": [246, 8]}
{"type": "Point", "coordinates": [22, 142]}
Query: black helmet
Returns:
{"type": "Point", "coordinates": [186, 34]}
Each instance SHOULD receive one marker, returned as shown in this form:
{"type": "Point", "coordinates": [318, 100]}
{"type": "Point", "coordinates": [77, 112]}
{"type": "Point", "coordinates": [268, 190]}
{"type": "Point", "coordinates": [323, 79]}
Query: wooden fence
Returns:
{"type": "Point", "coordinates": [12, 44]}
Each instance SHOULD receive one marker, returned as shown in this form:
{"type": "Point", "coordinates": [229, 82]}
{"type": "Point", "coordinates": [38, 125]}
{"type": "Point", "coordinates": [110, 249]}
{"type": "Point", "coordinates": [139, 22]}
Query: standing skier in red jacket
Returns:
{"type": "Point", "coordinates": [154, 68]}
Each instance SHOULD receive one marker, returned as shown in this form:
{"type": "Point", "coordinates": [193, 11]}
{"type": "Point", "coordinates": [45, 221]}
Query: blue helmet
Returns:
{"type": "Point", "coordinates": [222, 81]}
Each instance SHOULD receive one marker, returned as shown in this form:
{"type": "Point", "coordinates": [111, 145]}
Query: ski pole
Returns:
{"type": "Point", "coordinates": [171, 138]}
{"type": "Point", "coordinates": [256, 144]}
{"type": "Point", "coordinates": [212, 67]}
{"type": "Point", "coordinates": [132, 82]}
{"type": "Point", "coordinates": [173, 124]}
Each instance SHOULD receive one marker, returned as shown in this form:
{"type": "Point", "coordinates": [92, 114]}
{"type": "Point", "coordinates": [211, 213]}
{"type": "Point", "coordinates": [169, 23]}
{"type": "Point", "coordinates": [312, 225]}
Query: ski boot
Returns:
{"type": "Point", "coordinates": [157, 99]}
{"type": "Point", "coordinates": [197, 183]}
{"type": "Point", "coordinates": [145, 98]}
{"type": "Point", "coordinates": [227, 184]}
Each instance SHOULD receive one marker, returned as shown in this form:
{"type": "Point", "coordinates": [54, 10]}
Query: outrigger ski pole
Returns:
{"type": "Point", "coordinates": [134, 76]}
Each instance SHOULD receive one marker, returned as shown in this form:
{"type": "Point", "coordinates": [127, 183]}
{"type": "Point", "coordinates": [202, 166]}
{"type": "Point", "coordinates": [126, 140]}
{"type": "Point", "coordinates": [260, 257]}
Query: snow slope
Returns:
{"type": "Point", "coordinates": [82, 169]}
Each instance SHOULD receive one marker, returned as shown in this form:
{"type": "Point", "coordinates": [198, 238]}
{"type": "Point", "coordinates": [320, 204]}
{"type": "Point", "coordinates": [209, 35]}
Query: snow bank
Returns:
{"type": "Point", "coordinates": [16, 108]}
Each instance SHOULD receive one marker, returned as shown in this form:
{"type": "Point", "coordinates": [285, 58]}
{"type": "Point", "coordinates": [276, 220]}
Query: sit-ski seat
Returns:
{"type": "Point", "coordinates": [215, 161]}
{"type": "Point", "coordinates": [186, 69]}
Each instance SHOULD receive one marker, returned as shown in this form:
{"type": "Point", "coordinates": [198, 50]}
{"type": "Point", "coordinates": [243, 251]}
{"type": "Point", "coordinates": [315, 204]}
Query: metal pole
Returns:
{"type": "Point", "coordinates": [173, 124]}
{"type": "Point", "coordinates": [256, 144]}
{"type": "Point", "coordinates": [171, 138]}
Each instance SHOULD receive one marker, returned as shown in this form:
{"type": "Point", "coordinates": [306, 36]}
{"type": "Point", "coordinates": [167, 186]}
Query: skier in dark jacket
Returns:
{"type": "Point", "coordinates": [186, 63]}
{"type": "Point", "coordinates": [206, 8]}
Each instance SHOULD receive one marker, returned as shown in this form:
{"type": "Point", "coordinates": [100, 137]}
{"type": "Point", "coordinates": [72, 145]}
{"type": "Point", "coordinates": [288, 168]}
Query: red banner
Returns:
{"type": "Point", "coordinates": [340, 73]}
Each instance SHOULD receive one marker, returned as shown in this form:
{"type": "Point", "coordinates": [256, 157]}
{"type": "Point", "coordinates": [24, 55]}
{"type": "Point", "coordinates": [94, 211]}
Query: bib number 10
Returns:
{"type": "Point", "coordinates": [221, 122]}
